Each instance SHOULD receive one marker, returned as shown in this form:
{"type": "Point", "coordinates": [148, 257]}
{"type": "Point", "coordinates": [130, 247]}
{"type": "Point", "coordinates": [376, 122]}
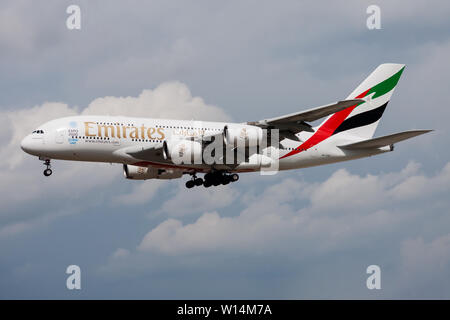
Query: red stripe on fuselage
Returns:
{"type": "Point", "coordinates": [326, 130]}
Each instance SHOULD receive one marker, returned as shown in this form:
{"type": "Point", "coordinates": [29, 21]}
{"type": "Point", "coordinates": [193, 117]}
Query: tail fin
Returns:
{"type": "Point", "coordinates": [361, 120]}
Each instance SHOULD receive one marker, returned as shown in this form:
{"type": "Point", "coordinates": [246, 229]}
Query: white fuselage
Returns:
{"type": "Point", "coordinates": [103, 138]}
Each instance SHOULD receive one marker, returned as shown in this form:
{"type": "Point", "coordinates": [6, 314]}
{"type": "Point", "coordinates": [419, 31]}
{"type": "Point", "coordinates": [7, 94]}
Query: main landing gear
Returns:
{"type": "Point", "coordinates": [212, 179]}
{"type": "Point", "coordinates": [217, 178]}
{"type": "Point", "coordinates": [194, 182]}
{"type": "Point", "coordinates": [48, 171]}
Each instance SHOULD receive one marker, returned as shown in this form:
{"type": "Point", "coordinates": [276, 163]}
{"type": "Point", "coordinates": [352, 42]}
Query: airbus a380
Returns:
{"type": "Point", "coordinates": [168, 149]}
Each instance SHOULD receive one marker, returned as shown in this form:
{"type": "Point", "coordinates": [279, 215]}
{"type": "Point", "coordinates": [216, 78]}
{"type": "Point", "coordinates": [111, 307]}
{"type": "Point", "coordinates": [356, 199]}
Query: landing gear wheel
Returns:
{"type": "Point", "coordinates": [47, 171]}
{"type": "Point", "coordinates": [207, 184]}
{"type": "Point", "coordinates": [194, 181]}
{"type": "Point", "coordinates": [190, 184]}
{"type": "Point", "coordinates": [219, 177]}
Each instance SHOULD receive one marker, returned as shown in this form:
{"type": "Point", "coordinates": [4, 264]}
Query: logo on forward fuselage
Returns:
{"type": "Point", "coordinates": [118, 130]}
{"type": "Point", "coordinates": [73, 132]}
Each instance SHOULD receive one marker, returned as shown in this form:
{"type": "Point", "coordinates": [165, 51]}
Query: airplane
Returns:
{"type": "Point", "coordinates": [168, 149]}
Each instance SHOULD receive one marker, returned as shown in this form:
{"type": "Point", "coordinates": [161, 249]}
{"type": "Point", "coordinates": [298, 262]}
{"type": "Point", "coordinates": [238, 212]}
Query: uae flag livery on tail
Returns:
{"type": "Point", "coordinates": [360, 120]}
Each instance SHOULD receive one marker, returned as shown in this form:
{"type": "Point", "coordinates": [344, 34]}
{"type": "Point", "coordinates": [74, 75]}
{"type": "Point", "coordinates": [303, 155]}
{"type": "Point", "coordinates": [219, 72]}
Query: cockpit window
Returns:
{"type": "Point", "coordinates": [38, 131]}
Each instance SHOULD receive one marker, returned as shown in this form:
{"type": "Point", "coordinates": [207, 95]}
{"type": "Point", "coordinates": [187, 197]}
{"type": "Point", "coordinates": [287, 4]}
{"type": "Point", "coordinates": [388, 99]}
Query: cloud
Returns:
{"type": "Point", "coordinates": [291, 227]}
{"type": "Point", "coordinates": [120, 253]}
{"type": "Point", "coordinates": [21, 122]}
{"type": "Point", "coordinates": [424, 267]}
{"type": "Point", "coordinates": [172, 100]}
{"type": "Point", "coordinates": [419, 256]}
{"type": "Point", "coordinates": [334, 212]}
{"type": "Point", "coordinates": [141, 193]}
{"type": "Point", "coordinates": [209, 232]}
{"type": "Point", "coordinates": [198, 200]}
{"type": "Point", "coordinates": [419, 185]}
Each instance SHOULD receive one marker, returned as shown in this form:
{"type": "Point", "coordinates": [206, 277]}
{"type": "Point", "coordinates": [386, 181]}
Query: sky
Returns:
{"type": "Point", "coordinates": [300, 234]}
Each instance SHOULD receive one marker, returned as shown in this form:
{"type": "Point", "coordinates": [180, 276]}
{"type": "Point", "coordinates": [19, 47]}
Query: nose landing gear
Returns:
{"type": "Point", "coordinates": [48, 171]}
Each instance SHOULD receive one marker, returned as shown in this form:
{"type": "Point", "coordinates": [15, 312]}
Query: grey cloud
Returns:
{"type": "Point", "coordinates": [270, 218]}
{"type": "Point", "coordinates": [293, 227]}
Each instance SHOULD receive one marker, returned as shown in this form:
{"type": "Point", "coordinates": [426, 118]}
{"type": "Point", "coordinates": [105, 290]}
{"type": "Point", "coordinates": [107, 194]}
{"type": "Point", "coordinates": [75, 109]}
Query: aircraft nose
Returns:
{"type": "Point", "coordinates": [25, 144]}
{"type": "Point", "coordinates": [29, 145]}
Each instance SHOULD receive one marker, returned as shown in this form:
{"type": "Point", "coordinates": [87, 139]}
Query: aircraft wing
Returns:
{"type": "Point", "coordinates": [144, 153]}
{"type": "Point", "coordinates": [313, 114]}
{"type": "Point", "coordinates": [383, 141]}
{"type": "Point", "coordinates": [293, 123]}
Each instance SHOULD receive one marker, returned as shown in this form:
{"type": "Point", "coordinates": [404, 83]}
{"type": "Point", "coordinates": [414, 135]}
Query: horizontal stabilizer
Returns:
{"type": "Point", "coordinates": [383, 141]}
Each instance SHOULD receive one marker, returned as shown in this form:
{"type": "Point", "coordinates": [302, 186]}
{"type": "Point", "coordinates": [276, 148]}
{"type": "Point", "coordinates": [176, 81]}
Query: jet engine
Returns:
{"type": "Point", "coordinates": [183, 151]}
{"type": "Point", "coordinates": [144, 173]}
{"type": "Point", "coordinates": [259, 161]}
{"type": "Point", "coordinates": [250, 136]}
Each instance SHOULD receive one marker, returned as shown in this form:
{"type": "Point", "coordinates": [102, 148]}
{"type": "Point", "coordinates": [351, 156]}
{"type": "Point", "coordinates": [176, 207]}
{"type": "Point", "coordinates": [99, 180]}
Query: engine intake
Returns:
{"type": "Point", "coordinates": [250, 136]}
{"type": "Point", "coordinates": [183, 151]}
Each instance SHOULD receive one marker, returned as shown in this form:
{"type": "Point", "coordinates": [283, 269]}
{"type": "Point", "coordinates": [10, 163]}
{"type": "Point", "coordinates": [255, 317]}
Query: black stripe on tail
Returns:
{"type": "Point", "coordinates": [361, 119]}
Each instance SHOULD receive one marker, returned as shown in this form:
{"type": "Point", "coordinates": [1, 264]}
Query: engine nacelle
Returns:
{"type": "Point", "coordinates": [144, 173]}
{"type": "Point", "coordinates": [183, 151]}
{"type": "Point", "coordinates": [257, 162]}
{"type": "Point", "coordinates": [235, 134]}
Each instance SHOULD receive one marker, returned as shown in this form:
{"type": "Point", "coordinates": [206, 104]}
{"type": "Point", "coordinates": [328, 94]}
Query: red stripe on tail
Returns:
{"type": "Point", "coordinates": [327, 129]}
